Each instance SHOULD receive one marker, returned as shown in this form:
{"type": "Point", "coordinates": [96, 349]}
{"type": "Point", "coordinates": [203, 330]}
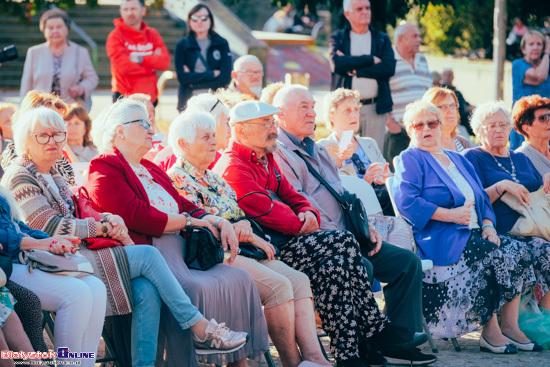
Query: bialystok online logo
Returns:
{"type": "Point", "coordinates": [62, 353]}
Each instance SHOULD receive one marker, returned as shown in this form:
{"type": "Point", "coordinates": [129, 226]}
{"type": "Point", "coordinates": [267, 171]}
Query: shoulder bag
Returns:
{"type": "Point", "coordinates": [84, 209]}
{"type": "Point", "coordinates": [535, 218]}
{"type": "Point", "coordinates": [355, 216]}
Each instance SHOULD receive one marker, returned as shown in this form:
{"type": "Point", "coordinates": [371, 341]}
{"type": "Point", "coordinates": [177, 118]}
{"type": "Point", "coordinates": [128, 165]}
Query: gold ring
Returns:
{"type": "Point", "coordinates": [526, 191]}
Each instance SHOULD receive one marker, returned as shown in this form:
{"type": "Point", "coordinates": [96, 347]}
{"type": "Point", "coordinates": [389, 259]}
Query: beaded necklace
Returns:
{"type": "Point", "coordinates": [513, 173]}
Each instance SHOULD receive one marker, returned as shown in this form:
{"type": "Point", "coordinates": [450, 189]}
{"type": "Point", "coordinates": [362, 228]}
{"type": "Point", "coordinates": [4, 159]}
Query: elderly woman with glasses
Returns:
{"type": "Point", "coordinates": [45, 204]}
{"type": "Point", "coordinates": [120, 181]}
{"type": "Point", "coordinates": [531, 117]}
{"type": "Point", "coordinates": [447, 102]}
{"type": "Point", "coordinates": [285, 292]}
{"type": "Point", "coordinates": [203, 59]}
{"type": "Point", "coordinates": [453, 225]}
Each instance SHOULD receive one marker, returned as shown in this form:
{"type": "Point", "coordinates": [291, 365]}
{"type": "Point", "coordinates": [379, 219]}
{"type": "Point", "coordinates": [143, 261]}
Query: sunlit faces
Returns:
{"type": "Point", "coordinates": [541, 125]}
{"type": "Point", "coordinates": [360, 13]}
{"type": "Point", "coordinates": [425, 132]}
{"type": "Point", "coordinates": [495, 131]}
{"type": "Point", "coordinates": [202, 152]}
{"type": "Point", "coordinates": [51, 150]}
{"type": "Point", "coordinates": [56, 31]}
{"type": "Point", "coordinates": [249, 78]}
{"type": "Point", "coordinates": [132, 12]}
{"type": "Point", "coordinates": [223, 131]}
{"type": "Point", "coordinates": [298, 116]}
{"type": "Point", "coordinates": [411, 39]}
{"type": "Point", "coordinates": [533, 47]}
{"type": "Point", "coordinates": [76, 128]}
{"type": "Point", "coordinates": [135, 135]}
{"type": "Point", "coordinates": [200, 22]}
{"type": "Point", "coordinates": [346, 115]}
{"type": "Point", "coordinates": [261, 133]}
{"type": "Point", "coordinates": [449, 111]}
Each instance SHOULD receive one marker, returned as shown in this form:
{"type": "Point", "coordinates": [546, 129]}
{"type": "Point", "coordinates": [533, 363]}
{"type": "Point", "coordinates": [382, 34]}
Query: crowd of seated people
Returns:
{"type": "Point", "coordinates": [235, 167]}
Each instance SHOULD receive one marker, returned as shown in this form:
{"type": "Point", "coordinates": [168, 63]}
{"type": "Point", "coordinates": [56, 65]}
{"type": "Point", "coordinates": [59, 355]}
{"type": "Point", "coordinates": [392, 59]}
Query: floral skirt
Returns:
{"type": "Point", "coordinates": [6, 304]}
{"type": "Point", "coordinates": [460, 297]}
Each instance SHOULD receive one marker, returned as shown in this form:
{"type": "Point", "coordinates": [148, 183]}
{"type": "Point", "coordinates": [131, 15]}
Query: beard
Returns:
{"type": "Point", "coordinates": [256, 90]}
{"type": "Point", "coordinates": [274, 147]}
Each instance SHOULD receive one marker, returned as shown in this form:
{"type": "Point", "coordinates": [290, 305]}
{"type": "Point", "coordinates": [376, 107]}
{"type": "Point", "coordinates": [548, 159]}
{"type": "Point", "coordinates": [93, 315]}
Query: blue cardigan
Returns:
{"type": "Point", "coordinates": [420, 186]}
{"type": "Point", "coordinates": [11, 233]}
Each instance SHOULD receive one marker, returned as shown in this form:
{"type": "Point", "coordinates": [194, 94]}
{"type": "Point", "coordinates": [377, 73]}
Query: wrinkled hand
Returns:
{"type": "Point", "coordinates": [461, 215]}
{"type": "Point", "coordinates": [229, 239]}
{"type": "Point", "coordinates": [216, 73]}
{"type": "Point", "coordinates": [309, 221]}
{"type": "Point", "coordinates": [76, 90]}
{"type": "Point", "coordinates": [518, 190]}
{"type": "Point", "coordinates": [265, 247]}
{"type": "Point", "coordinates": [332, 149]}
{"type": "Point", "coordinates": [118, 228]}
{"type": "Point", "coordinates": [61, 245]}
{"type": "Point", "coordinates": [491, 235]}
{"type": "Point", "coordinates": [374, 171]}
{"type": "Point", "coordinates": [243, 230]}
{"type": "Point", "coordinates": [393, 127]}
{"type": "Point", "coordinates": [346, 153]}
{"type": "Point", "coordinates": [205, 224]}
{"type": "Point", "coordinates": [376, 238]}
{"type": "Point", "coordinates": [546, 183]}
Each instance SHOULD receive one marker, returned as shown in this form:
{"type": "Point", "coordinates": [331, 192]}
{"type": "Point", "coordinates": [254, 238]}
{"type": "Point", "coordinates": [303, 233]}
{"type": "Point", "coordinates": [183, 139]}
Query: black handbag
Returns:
{"type": "Point", "coordinates": [248, 249]}
{"type": "Point", "coordinates": [203, 250]}
{"type": "Point", "coordinates": [355, 216]}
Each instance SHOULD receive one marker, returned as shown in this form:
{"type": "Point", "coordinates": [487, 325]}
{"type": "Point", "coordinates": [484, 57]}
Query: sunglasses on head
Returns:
{"type": "Point", "coordinates": [202, 18]}
{"type": "Point", "coordinates": [431, 124]}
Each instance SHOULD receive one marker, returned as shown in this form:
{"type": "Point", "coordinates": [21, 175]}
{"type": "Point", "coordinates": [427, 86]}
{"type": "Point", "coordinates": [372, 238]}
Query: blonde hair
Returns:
{"type": "Point", "coordinates": [268, 93]}
{"type": "Point", "coordinates": [437, 94]}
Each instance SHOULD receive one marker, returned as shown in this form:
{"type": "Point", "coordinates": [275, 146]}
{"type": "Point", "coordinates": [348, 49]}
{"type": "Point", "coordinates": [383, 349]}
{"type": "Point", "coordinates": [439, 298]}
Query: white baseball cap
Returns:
{"type": "Point", "coordinates": [249, 110]}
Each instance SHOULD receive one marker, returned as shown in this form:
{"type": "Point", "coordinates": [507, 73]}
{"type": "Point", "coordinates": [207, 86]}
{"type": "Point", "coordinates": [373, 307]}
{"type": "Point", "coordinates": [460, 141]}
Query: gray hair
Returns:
{"type": "Point", "coordinates": [347, 5]}
{"type": "Point", "coordinates": [27, 122]}
{"type": "Point", "coordinates": [14, 208]}
{"type": "Point", "coordinates": [419, 107]}
{"type": "Point", "coordinates": [485, 110]}
{"type": "Point", "coordinates": [333, 99]}
{"type": "Point", "coordinates": [238, 64]}
{"type": "Point", "coordinates": [185, 127]}
{"type": "Point", "coordinates": [205, 102]}
{"type": "Point", "coordinates": [285, 94]}
{"type": "Point", "coordinates": [104, 126]}
{"type": "Point", "coordinates": [401, 30]}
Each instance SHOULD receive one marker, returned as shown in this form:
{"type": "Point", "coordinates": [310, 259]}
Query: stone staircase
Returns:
{"type": "Point", "coordinates": [97, 23]}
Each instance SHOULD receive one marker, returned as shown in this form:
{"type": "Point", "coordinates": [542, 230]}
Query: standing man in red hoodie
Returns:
{"type": "Point", "coordinates": [136, 51]}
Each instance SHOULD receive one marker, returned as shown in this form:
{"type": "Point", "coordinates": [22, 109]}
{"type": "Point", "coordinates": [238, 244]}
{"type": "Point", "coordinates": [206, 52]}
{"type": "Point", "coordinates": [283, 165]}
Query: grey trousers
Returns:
{"type": "Point", "coordinates": [372, 125]}
{"type": "Point", "coordinates": [402, 271]}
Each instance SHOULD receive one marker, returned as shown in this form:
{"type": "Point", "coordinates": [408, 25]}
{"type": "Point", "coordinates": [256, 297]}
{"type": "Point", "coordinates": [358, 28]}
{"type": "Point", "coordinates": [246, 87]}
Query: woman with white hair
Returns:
{"type": "Point", "coordinates": [285, 293]}
{"type": "Point", "coordinates": [204, 102]}
{"type": "Point", "coordinates": [476, 272]}
{"type": "Point", "coordinates": [45, 204]}
{"type": "Point", "coordinates": [502, 170]}
{"type": "Point", "coordinates": [120, 181]}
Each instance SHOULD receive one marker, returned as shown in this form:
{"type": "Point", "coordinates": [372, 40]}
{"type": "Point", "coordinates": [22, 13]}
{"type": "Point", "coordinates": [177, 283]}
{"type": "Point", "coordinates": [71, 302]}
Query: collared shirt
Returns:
{"type": "Point", "coordinates": [206, 190]}
{"type": "Point", "coordinates": [408, 84]}
{"type": "Point", "coordinates": [308, 144]}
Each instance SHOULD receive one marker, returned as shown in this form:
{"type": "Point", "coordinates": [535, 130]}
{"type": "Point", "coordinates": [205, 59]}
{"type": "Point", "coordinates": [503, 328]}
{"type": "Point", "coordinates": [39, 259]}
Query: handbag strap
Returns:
{"type": "Point", "coordinates": [322, 180]}
{"type": "Point", "coordinates": [262, 193]}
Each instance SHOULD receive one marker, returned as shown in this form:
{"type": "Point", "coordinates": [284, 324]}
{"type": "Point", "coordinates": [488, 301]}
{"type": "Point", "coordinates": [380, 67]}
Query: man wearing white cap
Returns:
{"type": "Point", "coordinates": [331, 259]}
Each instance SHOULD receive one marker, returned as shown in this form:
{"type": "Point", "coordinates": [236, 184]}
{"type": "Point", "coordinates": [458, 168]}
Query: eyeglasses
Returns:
{"type": "Point", "coordinates": [202, 18]}
{"type": "Point", "coordinates": [45, 138]}
{"type": "Point", "coordinates": [450, 106]}
{"type": "Point", "coordinates": [266, 125]}
{"type": "Point", "coordinates": [431, 124]}
{"type": "Point", "coordinates": [357, 162]}
{"type": "Point", "coordinates": [252, 72]}
{"type": "Point", "coordinates": [215, 104]}
{"type": "Point", "coordinates": [144, 123]}
{"type": "Point", "coordinates": [497, 125]}
{"type": "Point", "coordinates": [544, 118]}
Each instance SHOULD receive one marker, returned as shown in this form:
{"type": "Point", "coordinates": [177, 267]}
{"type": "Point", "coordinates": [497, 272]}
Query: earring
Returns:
{"type": "Point", "coordinates": [121, 136]}
{"type": "Point", "coordinates": [29, 157]}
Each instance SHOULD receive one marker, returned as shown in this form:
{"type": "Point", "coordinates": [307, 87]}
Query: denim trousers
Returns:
{"type": "Point", "coordinates": [151, 282]}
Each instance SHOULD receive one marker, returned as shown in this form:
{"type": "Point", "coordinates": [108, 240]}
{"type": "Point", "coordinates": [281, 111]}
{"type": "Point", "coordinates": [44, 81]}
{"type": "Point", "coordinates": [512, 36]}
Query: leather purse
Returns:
{"type": "Point", "coordinates": [84, 209]}
{"type": "Point", "coordinates": [203, 250]}
{"type": "Point", "coordinates": [74, 265]}
{"type": "Point", "coordinates": [250, 250]}
{"type": "Point", "coordinates": [535, 218]}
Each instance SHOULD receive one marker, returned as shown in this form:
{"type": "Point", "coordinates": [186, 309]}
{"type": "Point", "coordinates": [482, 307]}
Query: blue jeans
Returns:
{"type": "Point", "coordinates": [152, 281]}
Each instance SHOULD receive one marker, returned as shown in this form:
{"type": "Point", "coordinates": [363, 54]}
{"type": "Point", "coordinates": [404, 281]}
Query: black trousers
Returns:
{"type": "Point", "coordinates": [394, 145]}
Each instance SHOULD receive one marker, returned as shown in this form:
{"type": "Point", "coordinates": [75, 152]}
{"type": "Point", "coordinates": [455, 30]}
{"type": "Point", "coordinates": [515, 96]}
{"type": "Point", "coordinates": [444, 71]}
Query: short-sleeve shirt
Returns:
{"type": "Point", "coordinates": [520, 89]}
{"type": "Point", "coordinates": [407, 84]}
{"type": "Point", "coordinates": [490, 173]}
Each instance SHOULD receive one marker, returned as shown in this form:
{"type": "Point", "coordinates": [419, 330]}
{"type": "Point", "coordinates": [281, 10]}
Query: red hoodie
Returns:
{"type": "Point", "coordinates": [129, 77]}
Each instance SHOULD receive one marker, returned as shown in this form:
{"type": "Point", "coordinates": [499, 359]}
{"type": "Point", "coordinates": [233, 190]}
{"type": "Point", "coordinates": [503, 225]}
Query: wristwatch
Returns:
{"type": "Point", "coordinates": [217, 223]}
{"type": "Point", "coordinates": [188, 220]}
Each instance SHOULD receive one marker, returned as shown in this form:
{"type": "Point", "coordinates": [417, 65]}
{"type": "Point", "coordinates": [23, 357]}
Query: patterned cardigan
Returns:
{"type": "Point", "coordinates": [40, 205]}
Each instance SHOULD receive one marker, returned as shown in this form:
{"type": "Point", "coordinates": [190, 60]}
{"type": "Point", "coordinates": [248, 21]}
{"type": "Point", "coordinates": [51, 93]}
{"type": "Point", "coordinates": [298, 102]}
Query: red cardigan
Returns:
{"type": "Point", "coordinates": [114, 187]}
{"type": "Point", "coordinates": [241, 169]}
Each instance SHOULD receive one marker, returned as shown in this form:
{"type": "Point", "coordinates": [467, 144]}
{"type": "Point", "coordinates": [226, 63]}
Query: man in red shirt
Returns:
{"type": "Point", "coordinates": [332, 259]}
{"type": "Point", "coordinates": [136, 51]}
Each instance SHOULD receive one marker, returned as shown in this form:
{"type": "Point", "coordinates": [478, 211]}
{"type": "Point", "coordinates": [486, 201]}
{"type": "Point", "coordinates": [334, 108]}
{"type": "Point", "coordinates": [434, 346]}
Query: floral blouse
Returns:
{"type": "Point", "coordinates": [208, 191]}
{"type": "Point", "coordinates": [159, 198]}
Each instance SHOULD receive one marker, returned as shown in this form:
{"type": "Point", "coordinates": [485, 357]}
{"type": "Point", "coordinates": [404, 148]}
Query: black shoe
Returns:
{"type": "Point", "coordinates": [352, 362]}
{"type": "Point", "coordinates": [396, 338]}
{"type": "Point", "coordinates": [411, 357]}
{"type": "Point", "coordinates": [370, 356]}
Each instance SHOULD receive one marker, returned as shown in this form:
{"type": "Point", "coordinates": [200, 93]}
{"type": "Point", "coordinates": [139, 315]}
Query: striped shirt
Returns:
{"type": "Point", "coordinates": [408, 84]}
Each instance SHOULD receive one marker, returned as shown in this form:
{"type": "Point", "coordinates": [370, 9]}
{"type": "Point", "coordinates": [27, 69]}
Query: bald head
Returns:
{"type": "Point", "coordinates": [247, 75]}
